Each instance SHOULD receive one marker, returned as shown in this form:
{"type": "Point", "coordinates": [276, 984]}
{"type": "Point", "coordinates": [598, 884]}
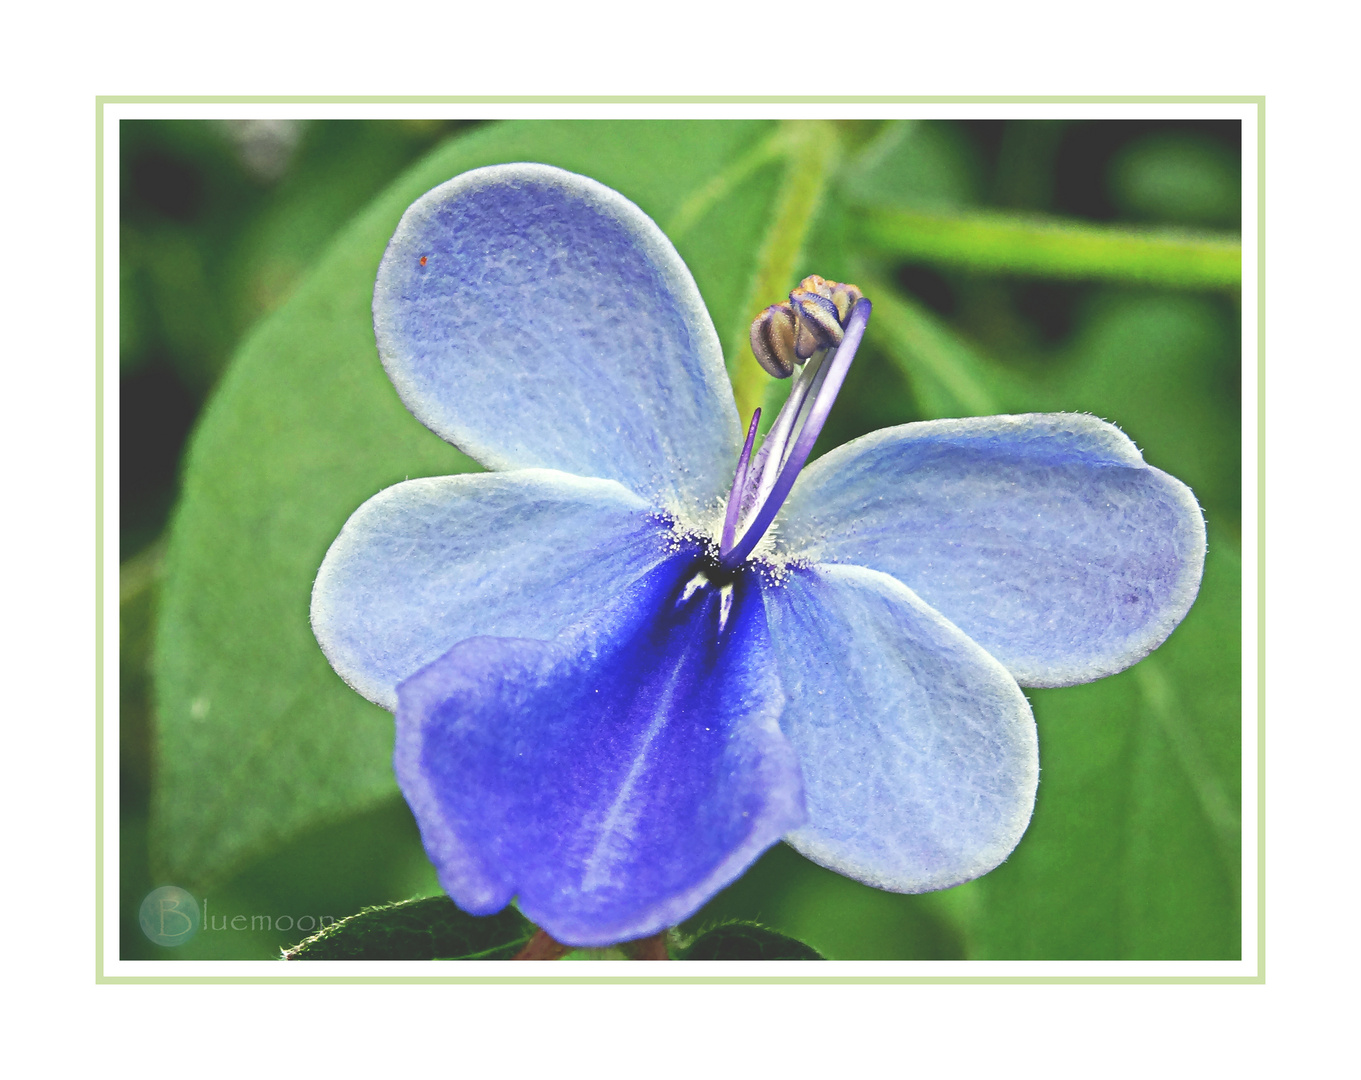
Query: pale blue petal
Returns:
{"type": "Point", "coordinates": [1045, 538]}
{"type": "Point", "coordinates": [536, 318]}
{"type": "Point", "coordinates": [918, 750]}
{"type": "Point", "coordinates": [427, 563]}
{"type": "Point", "coordinates": [613, 779]}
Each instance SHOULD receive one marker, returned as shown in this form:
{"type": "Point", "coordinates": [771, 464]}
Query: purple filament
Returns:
{"type": "Point", "coordinates": [738, 483]}
{"type": "Point", "coordinates": [831, 377]}
{"type": "Point", "coordinates": [777, 441]}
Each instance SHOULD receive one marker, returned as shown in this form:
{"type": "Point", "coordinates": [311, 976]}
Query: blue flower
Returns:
{"type": "Point", "coordinates": [620, 671]}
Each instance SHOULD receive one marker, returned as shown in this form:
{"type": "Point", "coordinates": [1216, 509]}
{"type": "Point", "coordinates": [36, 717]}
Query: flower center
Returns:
{"type": "Point", "coordinates": [818, 332]}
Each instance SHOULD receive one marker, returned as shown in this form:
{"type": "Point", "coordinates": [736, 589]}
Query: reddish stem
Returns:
{"type": "Point", "coordinates": [648, 948]}
{"type": "Point", "coordinates": [542, 947]}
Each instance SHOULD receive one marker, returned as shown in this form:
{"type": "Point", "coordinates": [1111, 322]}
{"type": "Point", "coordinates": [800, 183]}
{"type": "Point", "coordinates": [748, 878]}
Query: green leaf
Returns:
{"type": "Point", "coordinates": [257, 738]}
{"type": "Point", "coordinates": [1133, 852]}
{"type": "Point", "coordinates": [747, 941]}
{"type": "Point", "coordinates": [429, 929]}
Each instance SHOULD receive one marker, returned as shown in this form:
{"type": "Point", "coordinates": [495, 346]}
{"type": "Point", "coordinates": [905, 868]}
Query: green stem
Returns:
{"type": "Point", "coordinates": [1008, 243]}
{"type": "Point", "coordinates": [811, 149]}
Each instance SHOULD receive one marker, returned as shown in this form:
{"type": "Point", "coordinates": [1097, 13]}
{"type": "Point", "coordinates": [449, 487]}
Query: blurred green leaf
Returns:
{"type": "Point", "coordinates": [1133, 852]}
{"type": "Point", "coordinates": [1026, 156]}
{"type": "Point", "coordinates": [257, 738]}
{"type": "Point", "coordinates": [747, 941]}
{"type": "Point", "coordinates": [915, 163]}
{"type": "Point", "coordinates": [319, 876]}
{"type": "Point", "coordinates": [138, 588]}
{"type": "Point", "coordinates": [429, 929]}
{"type": "Point", "coordinates": [1178, 177]}
{"type": "Point", "coordinates": [947, 376]}
{"type": "Point", "coordinates": [1048, 247]}
{"type": "Point", "coordinates": [340, 167]}
{"type": "Point", "coordinates": [220, 219]}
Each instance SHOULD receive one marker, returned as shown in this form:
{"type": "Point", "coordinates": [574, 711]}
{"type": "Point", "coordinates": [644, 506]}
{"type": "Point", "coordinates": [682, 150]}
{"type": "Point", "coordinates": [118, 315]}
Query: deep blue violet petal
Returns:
{"type": "Point", "coordinates": [427, 563]}
{"type": "Point", "coordinates": [918, 749]}
{"type": "Point", "coordinates": [1045, 538]}
{"type": "Point", "coordinates": [613, 779]}
{"type": "Point", "coordinates": [536, 318]}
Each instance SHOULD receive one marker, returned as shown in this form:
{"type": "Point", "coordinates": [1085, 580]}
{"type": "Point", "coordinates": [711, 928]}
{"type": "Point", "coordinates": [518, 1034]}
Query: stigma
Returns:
{"type": "Point", "coordinates": [816, 332]}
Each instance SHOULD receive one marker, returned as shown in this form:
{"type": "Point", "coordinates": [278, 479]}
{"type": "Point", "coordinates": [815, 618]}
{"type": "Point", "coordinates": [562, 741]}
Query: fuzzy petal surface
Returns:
{"type": "Point", "coordinates": [1045, 538]}
{"type": "Point", "coordinates": [426, 563]}
{"type": "Point", "coordinates": [536, 318]}
{"type": "Point", "coordinates": [918, 749]}
{"type": "Point", "coordinates": [613, 779]}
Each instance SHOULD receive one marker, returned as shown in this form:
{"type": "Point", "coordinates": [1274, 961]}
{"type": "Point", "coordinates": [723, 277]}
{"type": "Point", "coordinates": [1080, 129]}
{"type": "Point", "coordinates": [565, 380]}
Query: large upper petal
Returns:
{"type": "Point", "coordinates": [613, 779]}
{"type": "Point", "coordinates": [918, 749]}
{"type": "Point", "coordinates": [536, 318]}
{"type": "Point", "coordinates": [429, 562]}
{"type": "Point", "coordinates": [1045, 538]}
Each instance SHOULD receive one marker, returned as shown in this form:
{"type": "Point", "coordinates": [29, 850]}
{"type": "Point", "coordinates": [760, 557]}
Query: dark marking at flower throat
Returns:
{"type": "Point", "coordinates": [718, 577]}
{"type": "Point", "coordinates": [703, 612]}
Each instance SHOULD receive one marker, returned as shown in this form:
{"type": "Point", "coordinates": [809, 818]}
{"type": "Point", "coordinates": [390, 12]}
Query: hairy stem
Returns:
{"type": "Point", "coordinates": [811, 150]}
{"type": "Point", "coordinates": [1047, 247]}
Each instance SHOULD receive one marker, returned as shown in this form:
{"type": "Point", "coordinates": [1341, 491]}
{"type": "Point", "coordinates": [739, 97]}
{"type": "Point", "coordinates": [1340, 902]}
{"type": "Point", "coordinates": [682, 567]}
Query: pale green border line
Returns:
{"type": "Point", "coordinates": [1261, 539]}
{"type": "Point", "coordinates": [99, 541]}
{"type": "Point", "coordinates": [1259, 101]}
{"type": "Point", "coordinates": [703, 980]}
{"type": "Point", "coordinates": [227, 99]}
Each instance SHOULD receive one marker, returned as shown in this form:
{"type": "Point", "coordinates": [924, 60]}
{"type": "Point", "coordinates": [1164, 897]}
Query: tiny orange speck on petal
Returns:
{"type": "Point", "coordinates": [422, 260]}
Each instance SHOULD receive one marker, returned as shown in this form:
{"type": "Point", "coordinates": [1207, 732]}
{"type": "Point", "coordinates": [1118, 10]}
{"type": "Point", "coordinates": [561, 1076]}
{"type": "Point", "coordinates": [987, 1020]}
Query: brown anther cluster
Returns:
{"type": "Point", "coordinates": [814, 318]}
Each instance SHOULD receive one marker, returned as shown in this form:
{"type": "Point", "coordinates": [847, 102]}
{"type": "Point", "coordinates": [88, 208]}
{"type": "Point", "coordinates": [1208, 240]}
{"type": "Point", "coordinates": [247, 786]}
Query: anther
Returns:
{"type": "Point", "coordinates": [819, 327]}
{"type": "Point", "coordinates": [772, 340]}
{"type": "Point", "coordinates": [815, 317]}
{"type": "Point", "coordinates": [842, 296]}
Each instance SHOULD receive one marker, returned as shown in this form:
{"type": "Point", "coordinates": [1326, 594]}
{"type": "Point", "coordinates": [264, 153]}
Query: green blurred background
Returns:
{"type": "Point", "coordinates": [1014, 265]}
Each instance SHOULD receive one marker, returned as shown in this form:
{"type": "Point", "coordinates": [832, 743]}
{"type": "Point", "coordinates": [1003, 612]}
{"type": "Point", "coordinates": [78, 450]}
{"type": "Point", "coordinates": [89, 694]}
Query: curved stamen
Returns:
{"type": "Point", "coordinates": [739, 482]}
{"type": "Point", "coordinates": [831, 378]}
